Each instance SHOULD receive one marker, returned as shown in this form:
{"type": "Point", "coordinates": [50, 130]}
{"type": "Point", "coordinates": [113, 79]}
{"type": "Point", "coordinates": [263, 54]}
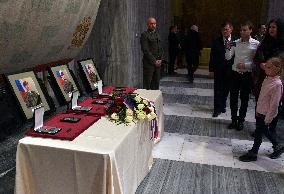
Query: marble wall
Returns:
{"type": "Point", "coordinates": [275, 9]}
{"type": "Point", "coordinates": [114, 42]}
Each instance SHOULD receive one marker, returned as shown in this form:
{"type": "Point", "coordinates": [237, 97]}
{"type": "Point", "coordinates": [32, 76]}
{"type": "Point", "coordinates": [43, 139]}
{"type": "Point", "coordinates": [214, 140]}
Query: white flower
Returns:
{"type": "Point", "coordinates": [114, 116]}
{"type": "Point", "coordinates": [140, 106]}
{"type": "Point", "coordinates": [138, 99]}
{"type": "Point", "coordinates": [145, 102]}
{"type": "Point", "coordinates": [129, 112]}
{"type": "Point", "coordinates": [151, 116]}
{"type": "Point", "coordinates": [151, 109]}
{"type": "Point", "coordinates": [141, 115]}
{"type": "Point", "coordinates": [128, 119]}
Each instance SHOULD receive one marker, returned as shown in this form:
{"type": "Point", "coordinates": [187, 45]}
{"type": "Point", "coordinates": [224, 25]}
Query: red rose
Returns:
{"type": "Point", "coordinates": [146, 110]}
{"type": "Point", "coordinates": [113, 110]}
{"type": "Point", "coordinates": [119, 101]}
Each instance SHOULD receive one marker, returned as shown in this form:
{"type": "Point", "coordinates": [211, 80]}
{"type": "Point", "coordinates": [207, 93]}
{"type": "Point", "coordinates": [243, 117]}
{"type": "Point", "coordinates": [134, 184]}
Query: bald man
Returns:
{"type": "Point", "coordinates": [152, 55]}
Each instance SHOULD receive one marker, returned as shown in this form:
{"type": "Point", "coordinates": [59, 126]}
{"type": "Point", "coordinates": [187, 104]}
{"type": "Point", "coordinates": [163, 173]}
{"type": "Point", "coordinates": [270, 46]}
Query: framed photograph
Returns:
{"type": "Point", "coordinates": [63, 83]}
{"type": "Point", "coordinates": [89, 74]}
{"type": "Point", "coordinates": [28, 92]}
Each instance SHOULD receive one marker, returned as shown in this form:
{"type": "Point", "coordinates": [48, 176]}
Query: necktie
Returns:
{"type": "Point", "coordinates": [226, 40]}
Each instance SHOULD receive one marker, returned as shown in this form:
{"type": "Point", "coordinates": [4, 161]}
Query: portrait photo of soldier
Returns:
{"type": "Point", "coordinates": [64, 81]}
{"type": "Point", "coordinates": [28, 92]}
{"type": "Point", "coordinates": [91, 73]}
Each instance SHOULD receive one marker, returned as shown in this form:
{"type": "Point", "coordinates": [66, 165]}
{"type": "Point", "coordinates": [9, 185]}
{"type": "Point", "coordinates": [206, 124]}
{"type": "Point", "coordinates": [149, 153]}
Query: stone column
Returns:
{"type": "Point", "coordinates": [115, 39]}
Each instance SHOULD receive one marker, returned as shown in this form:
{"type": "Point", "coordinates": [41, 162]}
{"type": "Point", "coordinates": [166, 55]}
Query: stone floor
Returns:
{"type": "Point", "coordinates": [198, 154]}
{"type": "Point", "coordinates": [192, 135]}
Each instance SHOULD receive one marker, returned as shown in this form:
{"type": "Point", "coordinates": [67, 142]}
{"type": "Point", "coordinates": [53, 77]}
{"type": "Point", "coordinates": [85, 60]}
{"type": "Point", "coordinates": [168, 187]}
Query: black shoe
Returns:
{"type": "Point", "coordinates": [277, 153]}
{"type": "Point", "coordinates": [216, 114]}
{"type": "Point", "coordinates": [233, 125]}
{"type": "Point", "coordinates": [248, 157]}
{"type": "Point", "coordinates": [240, 126]}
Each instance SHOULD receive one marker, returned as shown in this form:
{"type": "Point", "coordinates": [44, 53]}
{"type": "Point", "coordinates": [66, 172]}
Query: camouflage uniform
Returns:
{"type": "Point", "coordinates": [152, 51]}
{"type": "Point", "coordinates": [32, 99]}
{"type": "Point", "coordinates": [93, 77]}
{"type": "Point", "coordinates": [68, 86]}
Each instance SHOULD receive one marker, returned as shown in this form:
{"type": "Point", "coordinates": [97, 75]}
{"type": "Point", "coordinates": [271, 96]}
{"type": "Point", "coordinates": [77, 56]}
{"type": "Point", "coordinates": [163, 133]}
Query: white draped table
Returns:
{"type": "Point", "coordinates": [106, 158]}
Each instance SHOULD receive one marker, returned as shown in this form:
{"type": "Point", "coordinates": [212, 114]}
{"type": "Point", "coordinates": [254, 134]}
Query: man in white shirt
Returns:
{"type": "Point", "coordinates": [244, 50]}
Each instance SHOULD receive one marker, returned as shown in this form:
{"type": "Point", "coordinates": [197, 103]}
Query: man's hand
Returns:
{"type": "Point", "coordinates": [158, 63]}
{"type": "Point", "coordinates": [227, 46]}
{"type": "Point", "coordinates": [211, 74]}
{"type": "Point", "coordinates": [241, 66]}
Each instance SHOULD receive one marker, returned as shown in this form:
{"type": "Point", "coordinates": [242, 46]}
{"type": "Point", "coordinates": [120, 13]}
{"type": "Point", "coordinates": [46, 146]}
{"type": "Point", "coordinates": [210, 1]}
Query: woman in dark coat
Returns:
{"type": "Point", "coordinates": [271, 46]}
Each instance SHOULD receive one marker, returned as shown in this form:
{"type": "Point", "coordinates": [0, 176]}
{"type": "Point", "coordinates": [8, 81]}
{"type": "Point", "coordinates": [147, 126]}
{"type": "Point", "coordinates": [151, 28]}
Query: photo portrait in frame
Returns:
{"type": "Point", "coordinates": [89, 74]}
{"type": "Point", "coordinates": [28, 92]}
{"type": "Point", "coordinates": [63, 82]}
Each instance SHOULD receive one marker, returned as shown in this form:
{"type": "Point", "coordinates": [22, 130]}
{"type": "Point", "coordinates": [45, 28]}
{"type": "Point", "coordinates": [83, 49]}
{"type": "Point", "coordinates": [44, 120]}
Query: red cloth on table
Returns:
{"type": "Point", "coordinates": [96, 108]}
{"type": "Point", "coordinates": [109, 89]}
{"type": "Point", "coordinates": [99, 108]}
{"type": "Point", "coordinates": [69, 131]}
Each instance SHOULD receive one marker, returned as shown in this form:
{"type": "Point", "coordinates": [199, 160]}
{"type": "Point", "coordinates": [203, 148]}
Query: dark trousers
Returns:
{"type": "Point", "coordinates": [192, 61]}
{"type": "Point", "coordinates": [151, 78]}
{"type": "Point", "coordinates": [240, 85]}
{"type": "Point", "coordinates": [261, 129]}
{"type": "Point", "coordinates": [172, 60]}
{"type": "Point", "coordinates": [222, 83]}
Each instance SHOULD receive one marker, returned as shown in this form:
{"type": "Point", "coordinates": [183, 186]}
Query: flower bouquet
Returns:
{"type": "Point", "coordinates": [130, 108]}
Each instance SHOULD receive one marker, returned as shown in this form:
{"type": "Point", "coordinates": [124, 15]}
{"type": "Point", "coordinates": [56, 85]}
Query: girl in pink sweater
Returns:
{"type": "Point", "coordinates": [267, 110]}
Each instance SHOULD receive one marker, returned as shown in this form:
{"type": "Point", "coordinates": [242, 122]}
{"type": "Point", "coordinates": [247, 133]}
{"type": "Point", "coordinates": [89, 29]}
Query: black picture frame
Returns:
{"type": "Point", "coordinates": [89, 74]}
{"type": "Point", "coordinates": [63, 83]}
{"type": "Point", "coordinates": [28, 92]}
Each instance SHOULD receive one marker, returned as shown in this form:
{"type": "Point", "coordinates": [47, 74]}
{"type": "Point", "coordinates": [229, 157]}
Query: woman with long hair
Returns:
{"type": "Point", "coordinates": [271, 46]}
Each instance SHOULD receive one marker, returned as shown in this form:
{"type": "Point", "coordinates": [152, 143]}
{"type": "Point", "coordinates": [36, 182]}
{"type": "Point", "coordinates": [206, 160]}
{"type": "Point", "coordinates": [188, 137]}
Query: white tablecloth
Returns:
{"type": "Point", "coordinates": [106, 158]}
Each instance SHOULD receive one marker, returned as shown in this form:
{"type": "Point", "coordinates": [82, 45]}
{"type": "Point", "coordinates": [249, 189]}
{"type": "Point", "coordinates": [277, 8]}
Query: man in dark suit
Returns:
{"type": "Point", "coordinates": [174, 47]}
{"type": "Point", "coordinates": [192, 47]}
{"type": "Point", "coordinates": [221, 69]}
{"type": "Point", "coordinates": [152, 56]}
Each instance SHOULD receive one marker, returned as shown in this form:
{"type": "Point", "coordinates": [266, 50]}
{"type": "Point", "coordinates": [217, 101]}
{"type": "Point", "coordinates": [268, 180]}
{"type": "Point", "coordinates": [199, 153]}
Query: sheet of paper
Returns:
{"type": "Point", "coordinates": [75, 96]}
{"type": "Point", "coordinates": [100, 86]}
{"type": "Point", "coordinates": [39, 112]}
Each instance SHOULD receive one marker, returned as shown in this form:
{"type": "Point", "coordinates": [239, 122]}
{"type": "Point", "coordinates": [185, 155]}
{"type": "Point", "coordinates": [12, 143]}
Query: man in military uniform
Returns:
{"type": "Point", "coordinates": [31, 98]}
{"type": "Point", "coordinates": [92, 75]}
{"type": "Point", "coordinates": [152, 56]}
{"type": "Point", "coordinates": [67, 85]}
